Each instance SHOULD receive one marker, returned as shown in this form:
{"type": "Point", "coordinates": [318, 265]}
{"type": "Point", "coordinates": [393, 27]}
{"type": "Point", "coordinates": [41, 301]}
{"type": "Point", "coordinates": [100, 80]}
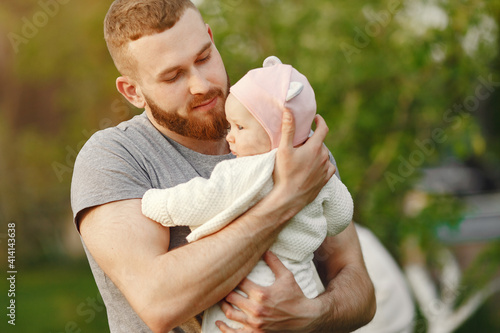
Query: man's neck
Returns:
{"type": "Point", "coordinates": [206, 147]}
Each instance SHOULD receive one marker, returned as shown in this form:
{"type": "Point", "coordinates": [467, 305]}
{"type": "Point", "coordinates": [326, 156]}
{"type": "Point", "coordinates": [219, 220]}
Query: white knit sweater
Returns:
{"type": "Point", "coordinates": [208, 205]}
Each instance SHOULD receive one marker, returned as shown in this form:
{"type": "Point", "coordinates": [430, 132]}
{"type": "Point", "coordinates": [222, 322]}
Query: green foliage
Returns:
{"type": "Point", "coordinates": [481, 271]}
{"type": "Point", "coordinates": [384, 82]}
{"type": "Point", "coordinates": [397, 92]}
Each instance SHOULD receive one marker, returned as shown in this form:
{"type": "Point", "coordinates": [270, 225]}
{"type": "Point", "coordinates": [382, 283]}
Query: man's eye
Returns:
{"type": "Point", "coordinates": [205, 59]}
{"type": "Point", "coordinates": [173, 78]}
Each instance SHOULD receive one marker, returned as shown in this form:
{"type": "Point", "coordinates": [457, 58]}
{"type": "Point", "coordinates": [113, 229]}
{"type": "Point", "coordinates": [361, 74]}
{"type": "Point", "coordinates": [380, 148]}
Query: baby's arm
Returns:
{"type": "Point", "coordinates": [337, 207]}
{"type": "Point", "coordinates": [231, 190]}
{"type": "Point", "coordinates": [186, 204]}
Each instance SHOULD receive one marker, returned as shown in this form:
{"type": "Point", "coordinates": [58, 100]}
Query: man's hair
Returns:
{"type": "Point", "coordinates": [129, 20]}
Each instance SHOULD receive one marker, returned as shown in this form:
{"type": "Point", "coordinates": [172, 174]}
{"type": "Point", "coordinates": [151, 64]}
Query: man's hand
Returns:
{"type": "Point", "coordinates": [281, 307]}
{"type": "Point", "coordinates": [347, 304]}
{"type": "Point", "coordinates": [306, 167]}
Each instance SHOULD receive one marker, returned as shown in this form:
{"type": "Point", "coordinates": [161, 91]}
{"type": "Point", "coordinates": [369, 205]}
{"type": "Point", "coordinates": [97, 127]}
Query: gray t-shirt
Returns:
{"type": "Point", "coordinates": [123, 162]}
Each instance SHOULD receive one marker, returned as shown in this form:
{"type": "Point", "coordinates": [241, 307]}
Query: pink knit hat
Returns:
{"type": "Point", "coordinates": [266, 92]}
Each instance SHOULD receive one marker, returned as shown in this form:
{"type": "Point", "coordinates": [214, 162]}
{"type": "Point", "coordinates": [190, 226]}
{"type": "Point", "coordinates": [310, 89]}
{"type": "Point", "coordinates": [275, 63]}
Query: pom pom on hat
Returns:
{"type": "Point", "coordinates": [266, 92]}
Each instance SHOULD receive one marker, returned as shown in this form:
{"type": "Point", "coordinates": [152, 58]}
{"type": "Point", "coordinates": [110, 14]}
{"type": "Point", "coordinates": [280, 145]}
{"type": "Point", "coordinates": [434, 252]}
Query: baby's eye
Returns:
{"type": "Point", "coordinates": [240, 127]}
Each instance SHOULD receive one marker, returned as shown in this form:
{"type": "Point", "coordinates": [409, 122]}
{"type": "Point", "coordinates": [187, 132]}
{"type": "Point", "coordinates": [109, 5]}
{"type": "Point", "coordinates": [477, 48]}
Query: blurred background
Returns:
{"type": "Point", "coordinates": [410, 90]}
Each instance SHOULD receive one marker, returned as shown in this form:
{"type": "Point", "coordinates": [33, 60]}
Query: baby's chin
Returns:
{"type": "Point", "coordinates": [247, 154]}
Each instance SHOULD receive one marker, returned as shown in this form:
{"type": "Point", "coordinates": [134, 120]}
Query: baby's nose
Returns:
{"type": "Point", "coordinates": [230, 137]}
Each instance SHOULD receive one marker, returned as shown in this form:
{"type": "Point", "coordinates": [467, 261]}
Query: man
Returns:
{"type": "Point", "coordinates": [171, 67]}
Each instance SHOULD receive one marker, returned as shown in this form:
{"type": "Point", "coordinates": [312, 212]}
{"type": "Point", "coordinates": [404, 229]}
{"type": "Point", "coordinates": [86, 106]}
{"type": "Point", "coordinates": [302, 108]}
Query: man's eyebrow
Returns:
{"type": "Point", "coordinates": [174, 68]}
{"type": "Point", "coordinates": [204, 48]}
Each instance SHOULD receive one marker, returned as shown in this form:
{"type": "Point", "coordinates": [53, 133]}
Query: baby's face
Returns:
{"type": "Point", "coordinates": [247, 136]}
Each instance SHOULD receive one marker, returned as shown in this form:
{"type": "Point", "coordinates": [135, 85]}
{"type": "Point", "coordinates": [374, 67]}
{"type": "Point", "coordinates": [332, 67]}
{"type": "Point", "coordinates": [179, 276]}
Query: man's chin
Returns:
{"type": "Point", "coordinates": [210, 125]}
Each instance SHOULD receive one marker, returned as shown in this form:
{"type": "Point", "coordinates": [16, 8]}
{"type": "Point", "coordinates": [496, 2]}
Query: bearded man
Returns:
{"type": "Point", "coordinates": [149, 278]}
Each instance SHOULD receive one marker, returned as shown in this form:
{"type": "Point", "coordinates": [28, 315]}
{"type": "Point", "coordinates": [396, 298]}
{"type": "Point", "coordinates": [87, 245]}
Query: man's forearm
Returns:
{"type": "Point", "coordinates": [349, 300]}
{"type": "Point", "coordinates": [348, 303]}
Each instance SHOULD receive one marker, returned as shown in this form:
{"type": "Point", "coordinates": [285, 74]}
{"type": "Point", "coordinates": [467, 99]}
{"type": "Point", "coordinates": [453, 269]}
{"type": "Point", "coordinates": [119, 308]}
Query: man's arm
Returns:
{"type": "Point", "coordinates": [167, 288]}
{"type": "Point", "coordinates": [347, 304]}
{"type": "Point", "coordinates": [349, 300]}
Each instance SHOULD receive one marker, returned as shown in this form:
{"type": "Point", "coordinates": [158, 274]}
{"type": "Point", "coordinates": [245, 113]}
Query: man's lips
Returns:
{"type": "Point", "coordinates": [207, 105]}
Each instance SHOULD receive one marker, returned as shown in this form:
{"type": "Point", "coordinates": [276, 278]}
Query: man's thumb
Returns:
{"type": "Point", "coordinates": [287, 129]}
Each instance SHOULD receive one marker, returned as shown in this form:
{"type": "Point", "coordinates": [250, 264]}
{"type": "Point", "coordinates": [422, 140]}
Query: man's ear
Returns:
{"type": "Point", "coordinates": [130, 91]}
{"type": "Point", "coordinates": [210, 32]}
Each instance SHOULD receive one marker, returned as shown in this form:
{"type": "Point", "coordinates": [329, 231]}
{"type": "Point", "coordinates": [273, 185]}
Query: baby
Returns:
{"type": "Point", "coordinates": [254, 110]}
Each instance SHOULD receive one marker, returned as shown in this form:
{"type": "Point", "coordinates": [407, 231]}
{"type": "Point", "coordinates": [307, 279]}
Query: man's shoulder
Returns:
{"type": "Point", "coordinates": [127, 128]}
{"type": "Point", "coordinates": [126, 136]}
{"type": "Point", "coordinates": [113, 165]}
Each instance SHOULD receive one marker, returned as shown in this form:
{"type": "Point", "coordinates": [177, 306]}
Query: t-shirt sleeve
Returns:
{"type": "Point", "coordinates": [332, 159]}
{"type": "Point", "coordinates": [106, 170]}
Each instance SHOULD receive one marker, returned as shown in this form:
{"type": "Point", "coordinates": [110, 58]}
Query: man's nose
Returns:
{"type": "Point", "coordinates": [198, 84]}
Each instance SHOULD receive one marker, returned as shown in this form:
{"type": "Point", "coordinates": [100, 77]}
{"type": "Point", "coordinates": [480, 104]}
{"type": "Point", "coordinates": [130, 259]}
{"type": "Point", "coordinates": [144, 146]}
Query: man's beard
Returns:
{"type": "Point", "coordinates": [213, 127]}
